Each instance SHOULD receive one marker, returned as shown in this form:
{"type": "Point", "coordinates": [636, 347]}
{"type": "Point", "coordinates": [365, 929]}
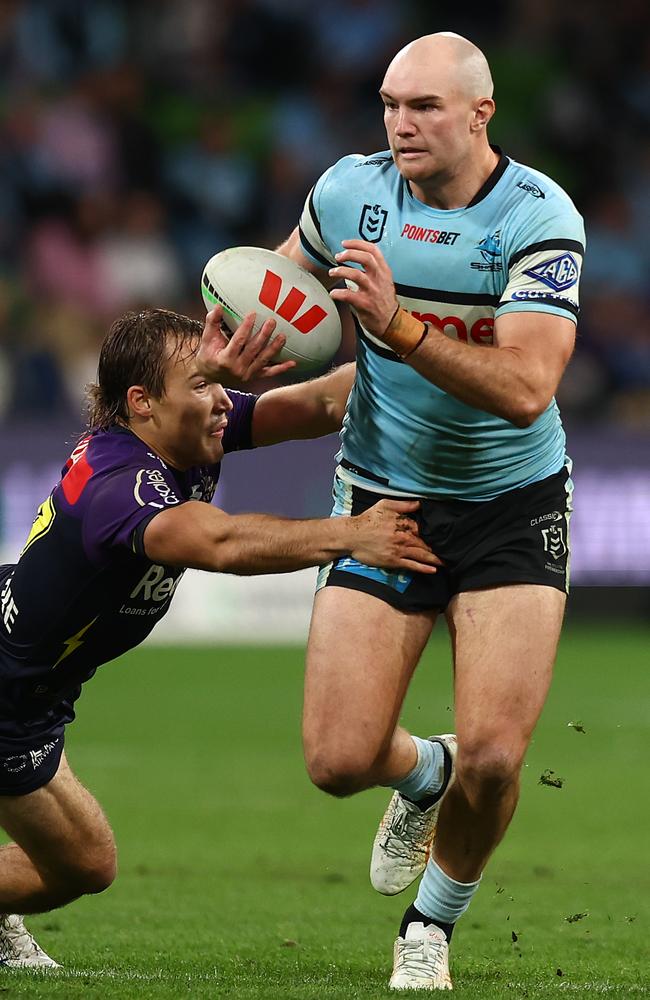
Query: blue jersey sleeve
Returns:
{"type": "Point", "coordinates": [544, 256]}
{"type": "Point", "coordinates": [312, 240]}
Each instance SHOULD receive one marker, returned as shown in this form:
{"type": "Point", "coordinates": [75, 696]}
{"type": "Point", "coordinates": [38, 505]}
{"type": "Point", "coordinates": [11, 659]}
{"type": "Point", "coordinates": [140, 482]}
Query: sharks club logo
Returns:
{"type": "Point", "coordinates": [490, 250]}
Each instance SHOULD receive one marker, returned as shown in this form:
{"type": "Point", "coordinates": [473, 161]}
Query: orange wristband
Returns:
{"type": "Point", "coordinates": [404, 333]}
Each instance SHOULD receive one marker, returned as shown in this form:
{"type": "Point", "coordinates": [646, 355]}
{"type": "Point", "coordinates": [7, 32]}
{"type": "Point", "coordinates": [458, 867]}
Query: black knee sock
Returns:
{"type": "Point", "coordinates": [413, 916]}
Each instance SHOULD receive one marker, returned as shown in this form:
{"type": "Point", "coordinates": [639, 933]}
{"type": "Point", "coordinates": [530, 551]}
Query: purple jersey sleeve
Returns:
{"type": "Point", "coordinates": [112, 485]}
{"type": "Point", "coordinates": [238, 433]}
{"type": "Point", "coordinates": [123, 502]}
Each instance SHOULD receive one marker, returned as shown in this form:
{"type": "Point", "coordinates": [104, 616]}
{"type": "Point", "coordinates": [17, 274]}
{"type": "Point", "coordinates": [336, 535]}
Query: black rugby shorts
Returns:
{"type": "Point", "coordinates": [521, 536]}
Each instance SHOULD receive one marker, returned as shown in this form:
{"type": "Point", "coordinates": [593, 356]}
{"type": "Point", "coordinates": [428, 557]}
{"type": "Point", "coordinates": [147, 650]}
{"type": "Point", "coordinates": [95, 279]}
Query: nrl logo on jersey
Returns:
{"type": "Point", "coordinates": [372, 223]}
{"type": "Point", "coordinates": [490, 250]}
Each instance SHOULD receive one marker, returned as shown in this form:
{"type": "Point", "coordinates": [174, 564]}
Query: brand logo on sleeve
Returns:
{"type": "Point", "coordinates": [558, 273]}
{"type": "Point", "coordinates": [372, 223]}
{"type": "Point", "coordinates": [153, 479]}
{"type": "Point", "coordinates": [531, 188]}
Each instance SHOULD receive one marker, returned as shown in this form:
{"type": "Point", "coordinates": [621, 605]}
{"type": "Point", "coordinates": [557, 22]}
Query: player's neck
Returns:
{"type": "Point", "coordinates": [150, 438]}
{"type": "Point", "coordinates": [457, 187]}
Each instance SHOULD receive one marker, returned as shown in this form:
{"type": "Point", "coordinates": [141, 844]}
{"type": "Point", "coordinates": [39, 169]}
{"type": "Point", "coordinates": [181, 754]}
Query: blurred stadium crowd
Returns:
{"type": "Point", "coordinates": [138, 138]}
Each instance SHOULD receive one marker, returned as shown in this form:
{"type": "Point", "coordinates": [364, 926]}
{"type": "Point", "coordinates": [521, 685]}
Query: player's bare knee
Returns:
{"type": "Point", "coordinates": [92, 871]}
{"type": "Point", "coordinates": [338, 774]}
{"type": "Point", "coordinates": [487, 767]}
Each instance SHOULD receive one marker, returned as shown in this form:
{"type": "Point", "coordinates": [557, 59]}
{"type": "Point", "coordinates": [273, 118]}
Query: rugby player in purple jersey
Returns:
{"type": "Point", "coordinates": [107, 550]}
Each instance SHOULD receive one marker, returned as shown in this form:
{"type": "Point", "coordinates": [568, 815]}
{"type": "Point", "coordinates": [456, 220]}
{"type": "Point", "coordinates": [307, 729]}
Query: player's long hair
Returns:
{"type": "Point", "coordinates": [137, 351]}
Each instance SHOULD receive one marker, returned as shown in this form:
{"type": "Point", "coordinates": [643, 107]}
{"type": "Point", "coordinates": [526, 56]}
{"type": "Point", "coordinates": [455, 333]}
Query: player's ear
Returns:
{"type": "Point", "coordinates": [484, 108]}
{"type": "Point", "coordinates": [138, 401]}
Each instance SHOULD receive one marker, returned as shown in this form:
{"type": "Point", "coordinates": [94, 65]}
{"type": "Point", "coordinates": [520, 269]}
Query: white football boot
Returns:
{"type": "Point", "coordinates": [18, 949]}
{"type": "Point", "coordinates": [403, 841]}
{"type": "Point", "coordinates": [421, 960]}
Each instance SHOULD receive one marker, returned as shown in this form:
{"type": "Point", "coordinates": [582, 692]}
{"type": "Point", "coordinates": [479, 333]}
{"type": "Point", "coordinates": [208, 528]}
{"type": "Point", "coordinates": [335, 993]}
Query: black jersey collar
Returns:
{"type": "Point", "coordinates": [493, 179]}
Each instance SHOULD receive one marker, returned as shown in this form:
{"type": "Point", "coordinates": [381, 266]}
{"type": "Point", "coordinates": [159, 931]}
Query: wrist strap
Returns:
{"type": "Point", "coordinates": [404, 333]}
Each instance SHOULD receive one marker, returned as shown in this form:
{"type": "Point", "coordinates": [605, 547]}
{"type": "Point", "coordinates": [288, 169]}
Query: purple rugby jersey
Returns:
{"type": "Point", "coordinates": [83, 592]}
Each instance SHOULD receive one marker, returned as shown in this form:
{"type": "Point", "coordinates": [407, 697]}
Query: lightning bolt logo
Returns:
{"type": "Point", "coordinates": [74, 641]}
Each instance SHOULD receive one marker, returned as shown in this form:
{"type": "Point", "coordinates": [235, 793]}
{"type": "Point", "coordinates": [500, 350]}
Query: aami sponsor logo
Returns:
{"type": "Point", "coordinates": [480, 331]}
{"type": "Point", "coordinates": [558, 273]}
{"type": "Point", "coordinates": [443, 237]}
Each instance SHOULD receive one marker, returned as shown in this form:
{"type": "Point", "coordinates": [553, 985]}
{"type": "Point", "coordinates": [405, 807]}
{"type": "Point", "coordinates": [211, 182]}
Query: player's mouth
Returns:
{"type": "Point", "coordinates": [411, 153]}
{"type": "Point", "coordinates": [218, 430]}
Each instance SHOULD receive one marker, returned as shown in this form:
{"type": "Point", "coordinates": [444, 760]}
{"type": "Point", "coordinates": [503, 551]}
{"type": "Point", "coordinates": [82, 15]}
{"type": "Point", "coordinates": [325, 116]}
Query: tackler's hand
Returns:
{"type": "Point", "coordinates": [243, 357]}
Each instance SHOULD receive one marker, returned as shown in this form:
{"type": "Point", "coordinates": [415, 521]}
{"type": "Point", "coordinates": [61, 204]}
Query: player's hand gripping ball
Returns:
{"type": "Point", "coordinates": [250, 279]}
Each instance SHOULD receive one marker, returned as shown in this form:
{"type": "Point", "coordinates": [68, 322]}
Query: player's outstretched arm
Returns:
{"type": "Point", "coordinates": [242, 358]}
{"type": "Point", "coordinates": [199, 536]}
{"type": "Point", "coordinates": [305, 410]}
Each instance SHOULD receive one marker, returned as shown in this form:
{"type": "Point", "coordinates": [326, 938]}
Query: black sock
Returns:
{"type": "Point", "coordinates": [413, 916]}
{"type": "Point", "coordinates": [429, 800]}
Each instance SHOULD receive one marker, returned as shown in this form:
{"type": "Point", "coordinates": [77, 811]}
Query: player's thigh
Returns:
{"type": "Point", "coordinates": [360, 658]}
{"type": "Point", "coordinates": [504, 642]}
{"type": "Point", "coordinates": [61, 827]}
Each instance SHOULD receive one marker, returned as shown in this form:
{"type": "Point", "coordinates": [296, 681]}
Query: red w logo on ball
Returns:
{"type": "Point", "coordinates": [270, 294]}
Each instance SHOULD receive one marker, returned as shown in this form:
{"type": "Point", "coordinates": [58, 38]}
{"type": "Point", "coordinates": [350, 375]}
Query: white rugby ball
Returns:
{"type": "Point", "coordinates": [250, 279]}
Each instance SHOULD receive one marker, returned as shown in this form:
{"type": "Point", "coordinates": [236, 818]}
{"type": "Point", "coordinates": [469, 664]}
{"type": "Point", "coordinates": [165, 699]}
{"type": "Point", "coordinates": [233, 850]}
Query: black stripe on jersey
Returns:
{"type": "Point", "coordinates": [546, 245]}
{"type": "Point", "coordinates": [546, 300]}
{"type": "Point", "coordinates": [493, 179]}
{"type": "Point", "coordinates": [319, 257]}
{"type": "Point", "coordinates": [437, 295]}
{"type": "Point", "coordinates": [383, 352]}
{"type": "Point", "coordinates": [314, 214]}
{"type": "Point", "coordinates": [363, 472]}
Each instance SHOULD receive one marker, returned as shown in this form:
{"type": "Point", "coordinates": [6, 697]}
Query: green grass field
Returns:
{"type": "Point", "coordinates": [238, 879]}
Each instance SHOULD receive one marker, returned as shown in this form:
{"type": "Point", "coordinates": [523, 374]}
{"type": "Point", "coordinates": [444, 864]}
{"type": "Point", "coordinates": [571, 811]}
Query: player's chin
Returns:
{"type": "Point", "coordinates": [214, 449]}
{"type": "Point", "coordinates": [416, 169]}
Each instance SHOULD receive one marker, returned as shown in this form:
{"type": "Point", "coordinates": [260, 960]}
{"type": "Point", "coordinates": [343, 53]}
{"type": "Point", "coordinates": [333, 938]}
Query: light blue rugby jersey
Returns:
{"type": "Point", "coordinates": [518, 246]}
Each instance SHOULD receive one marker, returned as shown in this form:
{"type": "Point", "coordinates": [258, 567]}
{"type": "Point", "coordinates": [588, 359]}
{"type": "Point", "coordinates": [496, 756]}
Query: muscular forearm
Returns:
{"type": "Point", "coordinates": [259, 543]}
{"type": "Point", "coordinates": [199, 536]}
{"type": "Point", "coordinates": [495, 379]}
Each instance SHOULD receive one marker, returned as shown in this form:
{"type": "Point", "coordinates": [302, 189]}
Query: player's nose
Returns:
{"type": "Point", "coordinates": [404, 125]}
{"type": "Point", "coordinates": [221, 401]}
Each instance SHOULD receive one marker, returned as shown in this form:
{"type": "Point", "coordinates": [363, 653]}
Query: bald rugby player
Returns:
{"type": "Point", "coordinates": [461, 267]}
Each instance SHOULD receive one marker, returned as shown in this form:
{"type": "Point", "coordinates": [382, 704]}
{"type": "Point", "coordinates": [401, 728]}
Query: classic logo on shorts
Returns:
{"type": "Point", "coordinates": [554, 542]}
{"type": "Point", "coordinates": [372, 223]}
{"type": "Point", "coordinates": [490, 250]}
{"type": "Point", "coordinates": [559, 273]}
